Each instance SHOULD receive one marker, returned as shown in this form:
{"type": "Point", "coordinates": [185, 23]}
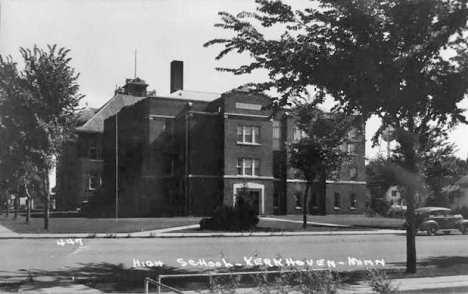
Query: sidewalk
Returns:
{"type": "Point", "coordinates": [416, 285]}
{"type": "Point", "coordinates": [54, 285]}
{"type": "Point", "coordinates": [421, 285]}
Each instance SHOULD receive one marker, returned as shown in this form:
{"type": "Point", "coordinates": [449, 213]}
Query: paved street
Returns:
{"type": "Point", "coordinates": [48, 257]}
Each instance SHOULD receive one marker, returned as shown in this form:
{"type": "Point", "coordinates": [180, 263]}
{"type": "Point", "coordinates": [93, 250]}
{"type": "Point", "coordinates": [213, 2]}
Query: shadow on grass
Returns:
{"type": "Point", "coordinates": [441, 262]}
{"type": "Point", "coordinates": [105, 277]}
{"type": "Point", "coordinates": [436, 266]}
{"type": "Point", "coordinates": [117, 278]}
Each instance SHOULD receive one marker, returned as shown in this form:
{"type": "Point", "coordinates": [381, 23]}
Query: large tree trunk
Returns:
{"type": "Point", "coordinates": [28, 203]}
{"type": "Point", "coordinates": [410, 233]}
{"type": "Point", "coordinates": [304, 206]}
{"type": "Point", "coordinates": [46, 200]}
{"type": "Point", "coordinates": [408, 142]}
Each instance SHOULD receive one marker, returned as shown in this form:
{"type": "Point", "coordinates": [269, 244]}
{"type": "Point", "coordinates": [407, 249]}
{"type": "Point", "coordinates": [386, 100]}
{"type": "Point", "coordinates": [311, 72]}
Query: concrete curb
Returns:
{"type": "Point", "coordinates": [194, 235]}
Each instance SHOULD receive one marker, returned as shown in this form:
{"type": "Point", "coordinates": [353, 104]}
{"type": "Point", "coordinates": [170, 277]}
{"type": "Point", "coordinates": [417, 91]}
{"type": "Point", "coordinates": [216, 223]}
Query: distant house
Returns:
{"type": "Point", "coordinates": [393, 195]}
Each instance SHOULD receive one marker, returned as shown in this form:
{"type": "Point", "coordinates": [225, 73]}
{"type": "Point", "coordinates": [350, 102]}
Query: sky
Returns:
{"type": "Point", "coordinates": [103, 37]}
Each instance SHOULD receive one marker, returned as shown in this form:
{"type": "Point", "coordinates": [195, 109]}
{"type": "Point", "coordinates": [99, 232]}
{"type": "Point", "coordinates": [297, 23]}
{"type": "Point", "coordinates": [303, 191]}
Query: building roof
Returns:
{"type": "Point", "coordinates": [194, 95]}
{"type": "Point", "coordinates": [113, 106]}
{"type": "Point", "coordinates": [86, 114]}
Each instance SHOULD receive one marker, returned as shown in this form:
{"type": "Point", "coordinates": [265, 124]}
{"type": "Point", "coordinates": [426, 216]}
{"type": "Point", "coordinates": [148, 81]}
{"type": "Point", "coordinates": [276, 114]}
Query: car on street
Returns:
{"type": "Point", "coordinates": [434, 219]}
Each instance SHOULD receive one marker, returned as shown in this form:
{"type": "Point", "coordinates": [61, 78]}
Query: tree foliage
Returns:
{"type": "Point", "coordinates": [405, 61]}
{"type": "Point", "coordinates": [318, 152]}
{"type": "Point", "coordinates": [38, 116]}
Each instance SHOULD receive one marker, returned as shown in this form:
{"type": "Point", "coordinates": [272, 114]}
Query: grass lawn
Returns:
{"type": "Point", "coordinates": [94, 225]}
{"type": "Point", "coordinates": [130, 225]}
{"type": "Point", "coordinates": [265, 225]}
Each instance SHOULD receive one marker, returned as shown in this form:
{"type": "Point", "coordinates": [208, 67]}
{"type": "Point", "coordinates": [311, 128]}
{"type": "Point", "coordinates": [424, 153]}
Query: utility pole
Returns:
{"type": "Point", "coordinates": [135, 64]}
{"type": "Point", "coordinates": [117, 165]}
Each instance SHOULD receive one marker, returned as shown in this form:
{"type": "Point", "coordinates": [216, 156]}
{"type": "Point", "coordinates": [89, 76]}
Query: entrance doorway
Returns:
{"type": "Point", "coordinates": [253, 195]}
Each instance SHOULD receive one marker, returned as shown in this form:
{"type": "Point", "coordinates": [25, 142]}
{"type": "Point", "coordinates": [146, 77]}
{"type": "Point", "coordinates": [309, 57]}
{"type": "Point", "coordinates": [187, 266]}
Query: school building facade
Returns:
{"type": "Point", "coordinates": [188, 152]}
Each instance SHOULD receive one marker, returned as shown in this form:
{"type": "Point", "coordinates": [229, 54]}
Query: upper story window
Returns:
{"type": "Point", "coordinates": [298, 134]}
{"type": "Point", "coordinates": [276, 134]}
{"type": "Point", "coordinates": [335, 175]}
{"type": "Point", "coordinates": [248, 135]}
{"type": "Point", "coordinates": [248, 167]}
{"type": "Point", "coordinates": [94, 153]}
{"type": "Point", "coordinates": [167, 126]}
{"type": "Point", "coordinates": [353, 173]}
{"type": "Point", "coordinates": [352, 134]}
{"type": "Point", "coordinates": [351, 148]}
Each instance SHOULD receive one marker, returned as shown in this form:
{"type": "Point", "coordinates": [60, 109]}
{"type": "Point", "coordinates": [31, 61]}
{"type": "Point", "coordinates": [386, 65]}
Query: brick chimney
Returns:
{"type": "Point", "coordinates": [177, 75]}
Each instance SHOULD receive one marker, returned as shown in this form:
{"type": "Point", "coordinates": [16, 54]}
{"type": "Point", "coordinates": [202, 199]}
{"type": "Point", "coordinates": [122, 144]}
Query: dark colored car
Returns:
{"type": "Point", "coordinates": [434, 219]}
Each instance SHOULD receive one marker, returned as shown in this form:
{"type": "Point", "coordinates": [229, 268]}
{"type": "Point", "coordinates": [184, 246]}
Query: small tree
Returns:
{"type": "Point", "coordinates": [318, 152]}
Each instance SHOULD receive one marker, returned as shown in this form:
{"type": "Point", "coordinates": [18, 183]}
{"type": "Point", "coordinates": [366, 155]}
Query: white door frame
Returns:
{"type": "Point", "coordinates": [250, 185]}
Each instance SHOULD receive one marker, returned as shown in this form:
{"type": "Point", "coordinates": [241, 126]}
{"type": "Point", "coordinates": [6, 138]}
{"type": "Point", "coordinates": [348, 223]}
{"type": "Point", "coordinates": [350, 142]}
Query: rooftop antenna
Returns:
{"type": "Point", "coordinates": [135, 63]}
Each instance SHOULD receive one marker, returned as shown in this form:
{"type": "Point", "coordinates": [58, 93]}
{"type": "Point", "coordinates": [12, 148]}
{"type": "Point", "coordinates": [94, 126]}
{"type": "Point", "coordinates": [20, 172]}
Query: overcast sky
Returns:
{"type": "Point", "coordinates": [103, 36]}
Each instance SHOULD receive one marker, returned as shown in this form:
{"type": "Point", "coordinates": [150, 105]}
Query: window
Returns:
{"type": "Point", "coordinates": [296, 174]}
{"type": "Point", "coordinates": [352, 201]}
{"type": "Point", "coordinates": [248, 134]}
{"type": "Point", "coordinates": [298, 200]}
{"type": "Point", "coordinates": [344, 147]}
{"type": "Point", "coordinates": [298, 134]}
{"type": "Point", "coordinates": [351, 148]}
{"type": "Point", "coordinates": [353, 173]}
{"type": "Point", "coordinates": [394, 193]}
{"type": "Point", "coordinates": [93, 182]}
{"type": "Point", "coordinates": [167, 127]}
{"type": "Point", "coordinates": [248, 167]}
{"type": "Point", "coordinates": [337, 200]}
{"type": "Point", "coordinates": [335, 175]}
{"type": "Point", "coordinates": [352, 134]}
{"type": "Point", "coordinates": [94, 153]}
{"type": "Point", "coordinates": [276, 134]}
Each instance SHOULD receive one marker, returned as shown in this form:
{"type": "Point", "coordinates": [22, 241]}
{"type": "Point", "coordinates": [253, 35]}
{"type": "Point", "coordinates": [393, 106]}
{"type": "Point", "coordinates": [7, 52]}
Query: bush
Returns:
{"type": "Point", "coordinates": [379, 206]}
{"type": "Point", "coordinates": [227, 218]}
{"type": "Point", "coordinates": [294, 280]}
{"type": "Point", "coordinates": [380, 283]}
{"type": "Point", "coordinates": [290, 281]}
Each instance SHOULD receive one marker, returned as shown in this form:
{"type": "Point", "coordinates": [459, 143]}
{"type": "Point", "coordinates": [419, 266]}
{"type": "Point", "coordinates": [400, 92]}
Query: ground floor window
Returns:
{"type": "Point", "coordinates": [337, 200]}
{"type": "Point", "coordinates": [93, 182]}
{"type": "Point", "coordinates": [352, 201]}
{"type": "Point", "coordinates": [298, 198]}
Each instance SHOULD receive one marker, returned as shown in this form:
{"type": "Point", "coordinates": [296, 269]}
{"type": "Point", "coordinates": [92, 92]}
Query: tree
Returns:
{"type": "Point", "coordinates": [381, 174]}
{"type": "Point", "coordinates": [318, 152]}
{"type": "Point", "coordinates": [442, 168]}
{"type": "Point", "coordinates": [13, 154]}
{"type": "Point", "coordinates": [46, 96]}
{"type": "Point", "coordinates": [386, 58]}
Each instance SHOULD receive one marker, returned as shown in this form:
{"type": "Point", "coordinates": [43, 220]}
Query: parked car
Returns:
{"type": "Point", "coordinates": [434, 219]}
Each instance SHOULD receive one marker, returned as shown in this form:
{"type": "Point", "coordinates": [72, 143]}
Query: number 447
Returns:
{"type": "Point", "coordinates": [62, 242]}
